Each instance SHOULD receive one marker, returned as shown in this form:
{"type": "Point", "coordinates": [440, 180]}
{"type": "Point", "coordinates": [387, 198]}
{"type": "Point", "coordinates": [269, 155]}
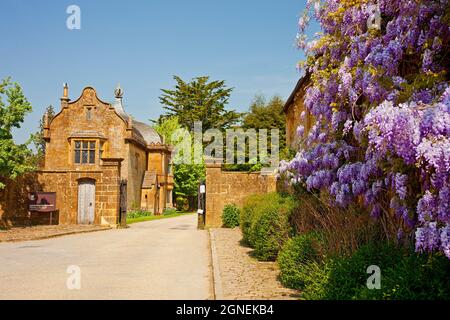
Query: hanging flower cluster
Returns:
{"type": "Point", "coordinates": [381, 102]}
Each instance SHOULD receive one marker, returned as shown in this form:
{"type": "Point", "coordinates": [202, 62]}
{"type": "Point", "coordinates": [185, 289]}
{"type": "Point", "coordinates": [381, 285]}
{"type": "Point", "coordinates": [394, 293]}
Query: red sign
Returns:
{"type": "Point", "coordinates": [42, 201]}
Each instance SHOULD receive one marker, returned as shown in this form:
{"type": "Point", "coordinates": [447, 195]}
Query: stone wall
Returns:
{"type": "Point", "coordinates": [137, 164]}
{"type": "Point", "coordinates": [14, 197]}
{"type": "Point", "coordinates": [293, 108]}
{"type": "Point", "coordinates": [226, 187]}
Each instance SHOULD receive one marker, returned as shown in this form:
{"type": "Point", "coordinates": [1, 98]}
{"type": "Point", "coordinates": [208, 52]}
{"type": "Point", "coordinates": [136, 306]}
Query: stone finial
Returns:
{"type": "Point", "coordinates": [118, 92]}
{"type": "Point", "coordinates": [65, 90]}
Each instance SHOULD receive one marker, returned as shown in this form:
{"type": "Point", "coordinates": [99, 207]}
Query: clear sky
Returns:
{"type": "Point", "coordinates": [142, 44]}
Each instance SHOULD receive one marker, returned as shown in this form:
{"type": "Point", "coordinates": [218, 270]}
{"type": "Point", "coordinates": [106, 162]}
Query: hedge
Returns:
{"type": "Point", "coordinates": [265, 223]}
{"type": "Point", "coordinates": [230, 216]}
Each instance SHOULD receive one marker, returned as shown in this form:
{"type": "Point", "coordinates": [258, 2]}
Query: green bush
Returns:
{"type": "Point", "coordinates": [138, 213]}
{"type": "Point", "coordinates": [247, 214]}
{"type": "Point", "coordinates": [169, 211]}
{"type": "Point", "coordinates": [404, 275]}
{"type": "Point", "coordinates": [265, 223]}
{"type": "Point", "coordinates": [295, 256]}
{"type": "Point", "coordinates": [182, 203]}
{"type": "Point", "coordinates": [414, 277]}
{"type": "Point", "coordinates": [230, 216]}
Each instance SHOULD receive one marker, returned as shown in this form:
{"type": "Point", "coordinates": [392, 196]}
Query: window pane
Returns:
{"type": "Point", "coordinates": [91, 156]}
{"type": "Point", "coordinates": [77, 156]}
{"type": "Point", "coordinates": [84, 156]}
{"type": "Point", "coordinates": [77, 144]}
{"type": "Point", "coordinates": [85, 144]}
{"type": "Point", "coordinates": [92, 145]}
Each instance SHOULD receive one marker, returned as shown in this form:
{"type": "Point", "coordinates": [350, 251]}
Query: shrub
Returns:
{"type": "Point", "coordinates": [404, 275]}
{"type": "Point", "coordinates": [182, 203]}
{"type": "Point", "coordinates": [265, 223]}
{"type": "Point", "coordinates": [169, 211]}
{"type": "Point", "coordinates": [294, 257]}
{"type": "Point", "coordinates": [414, 277]}
{"type": "Point", "coordinates": [343, 229]}
{"type": "Point", "coordinates": [138, 213]}
{"type": "Point", "coordinates": [315, 277]}
{"type": "Point", "coordinates": [247, 214]}
{"type": "Point", "coordinates": [230, 216]}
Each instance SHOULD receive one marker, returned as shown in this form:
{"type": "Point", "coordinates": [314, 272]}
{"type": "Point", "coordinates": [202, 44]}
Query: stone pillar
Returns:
{"type": "Point", "coordinates": [213, 198]}
{"type": "Point", "coordinates": [111, 191]}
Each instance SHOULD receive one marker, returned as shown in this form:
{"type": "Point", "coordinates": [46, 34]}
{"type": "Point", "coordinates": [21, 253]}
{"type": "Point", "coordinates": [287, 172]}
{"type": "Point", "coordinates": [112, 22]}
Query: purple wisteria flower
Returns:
{"type": "Point", "coordinates": [380, 129]}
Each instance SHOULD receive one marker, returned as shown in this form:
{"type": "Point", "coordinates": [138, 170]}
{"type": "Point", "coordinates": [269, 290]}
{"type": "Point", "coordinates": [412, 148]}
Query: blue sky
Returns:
{"type": "Point", "coordinates": [142, 44]}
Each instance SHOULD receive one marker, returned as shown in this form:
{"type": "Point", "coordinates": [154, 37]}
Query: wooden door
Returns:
{"type": "Point", "coordinates": [86, 202]}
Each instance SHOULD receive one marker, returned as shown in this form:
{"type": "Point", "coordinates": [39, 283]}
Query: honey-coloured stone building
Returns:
{"type": "Point", "coordinates": [293, 108]}
{"type": "Point", "coordinates": [99, 160]}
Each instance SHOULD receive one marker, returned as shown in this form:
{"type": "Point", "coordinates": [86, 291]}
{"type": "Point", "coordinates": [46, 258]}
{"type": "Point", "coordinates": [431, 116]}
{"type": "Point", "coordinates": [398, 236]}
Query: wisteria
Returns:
{"type": "Point", "coordinates": [381, 99]}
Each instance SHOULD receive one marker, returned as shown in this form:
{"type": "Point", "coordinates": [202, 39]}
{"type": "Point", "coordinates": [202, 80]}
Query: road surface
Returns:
{"type": "Point", "coordinates": [161, 259]}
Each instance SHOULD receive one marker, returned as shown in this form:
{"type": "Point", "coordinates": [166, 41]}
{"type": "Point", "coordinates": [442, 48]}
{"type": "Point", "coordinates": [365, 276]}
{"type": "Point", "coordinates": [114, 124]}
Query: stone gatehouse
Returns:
{"type": "Point", "coordinates": [92, 147]}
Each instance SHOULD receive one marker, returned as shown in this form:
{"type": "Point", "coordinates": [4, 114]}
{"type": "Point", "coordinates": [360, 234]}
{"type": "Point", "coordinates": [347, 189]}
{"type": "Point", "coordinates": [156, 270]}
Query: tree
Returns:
{"type": "Point", "coordinates": [186, 175]}
{"type": "Point", "coordinates": [186, 179]}
{"type": "Point", "coordinates": [264, 115]}
{"type": "Point", "coordinates": [167, 127]}
{"type": "Point", "coordinates": [267, 115]}
{"type": "Point", "coordinates": [14, 158]}
{"type": "Point", "coordinates": [199, 100]}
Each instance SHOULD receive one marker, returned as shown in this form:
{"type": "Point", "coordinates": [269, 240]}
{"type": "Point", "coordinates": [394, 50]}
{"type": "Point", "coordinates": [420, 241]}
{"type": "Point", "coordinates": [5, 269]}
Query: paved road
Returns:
{"type": "Point", "coordinates": [162, 259]}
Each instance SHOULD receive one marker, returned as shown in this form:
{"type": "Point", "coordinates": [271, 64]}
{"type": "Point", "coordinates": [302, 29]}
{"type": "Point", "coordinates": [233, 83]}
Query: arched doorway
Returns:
{"type": "Point", "coordinates": [86, 201]}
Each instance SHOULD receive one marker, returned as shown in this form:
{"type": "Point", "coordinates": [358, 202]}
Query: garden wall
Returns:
{"type": "Point", "coordinates": [14, 197]}
{"type": "Point", "coordinates": [225, 187]}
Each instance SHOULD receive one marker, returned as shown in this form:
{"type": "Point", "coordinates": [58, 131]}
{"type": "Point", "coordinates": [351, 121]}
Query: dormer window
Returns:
{"type": "Point", "coordinates": [84, 152]}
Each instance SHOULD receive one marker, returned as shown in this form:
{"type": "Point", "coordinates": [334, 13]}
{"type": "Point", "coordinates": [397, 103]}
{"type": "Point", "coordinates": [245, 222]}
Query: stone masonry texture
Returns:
{"type": "Point", "coordinates": [227, 187]}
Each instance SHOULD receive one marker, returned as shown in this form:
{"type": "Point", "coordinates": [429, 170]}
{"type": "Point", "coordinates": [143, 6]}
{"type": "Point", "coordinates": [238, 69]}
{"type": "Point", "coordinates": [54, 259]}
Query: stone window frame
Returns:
{"type": "Point", "coordinates": [88, 149]}
{"type": "Point", "coordinates": [101, 149]}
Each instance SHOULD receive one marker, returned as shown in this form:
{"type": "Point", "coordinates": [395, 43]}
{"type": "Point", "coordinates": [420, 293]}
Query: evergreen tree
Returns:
{"type": "Point", "coordinates": [199, 100]}
{"type": "Point", "coordinates": [38, 137]}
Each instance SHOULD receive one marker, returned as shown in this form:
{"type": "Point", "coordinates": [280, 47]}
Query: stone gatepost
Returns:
{"type": "Point", "coordinates": [213, 197]}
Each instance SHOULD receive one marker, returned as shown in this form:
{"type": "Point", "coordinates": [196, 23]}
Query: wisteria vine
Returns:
{"type": "Point", "coordinates": [380, 98]}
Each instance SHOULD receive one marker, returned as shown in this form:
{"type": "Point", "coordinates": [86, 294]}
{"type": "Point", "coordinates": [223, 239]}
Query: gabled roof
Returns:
{"type": "Point", "coordinates": [301, 83]}
{"type": "Point", "coordinates": [143, 131]}
{"type": "Point", "coordinates": [148, 133]}
{"type": "Point", "coordinates": [149, 179]}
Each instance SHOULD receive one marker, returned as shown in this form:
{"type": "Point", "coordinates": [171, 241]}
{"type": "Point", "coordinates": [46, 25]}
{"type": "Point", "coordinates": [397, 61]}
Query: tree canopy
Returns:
{"type": "Point", "coordinates": [267, 115]}
{"type": "Point", "coordinates": [199, 100]}
{"type": "Point", "coordinates": [14, 158]}
{"type": "Point", "coordinates": [186, 175]}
